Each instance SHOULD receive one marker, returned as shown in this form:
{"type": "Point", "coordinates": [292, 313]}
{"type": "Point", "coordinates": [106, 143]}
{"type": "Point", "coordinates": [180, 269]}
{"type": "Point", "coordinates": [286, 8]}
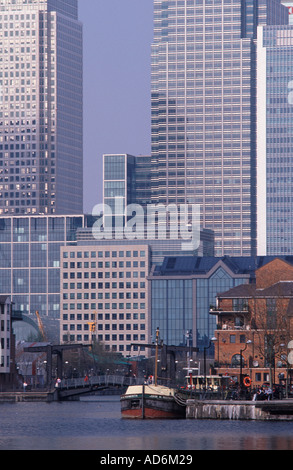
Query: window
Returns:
{"type": "Point", "coordinates": [235, 360]}
{"type": "Point", "coordinates": [242, 339]}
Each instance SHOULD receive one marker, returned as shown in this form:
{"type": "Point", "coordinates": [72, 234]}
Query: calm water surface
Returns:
{"type": "Point", "coordinates": [95, 424]}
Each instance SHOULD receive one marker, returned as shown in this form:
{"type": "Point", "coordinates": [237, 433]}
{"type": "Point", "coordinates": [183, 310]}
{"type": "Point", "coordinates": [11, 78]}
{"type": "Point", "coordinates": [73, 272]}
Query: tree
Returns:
{"type": "Point", "coordinates": [272, 325]}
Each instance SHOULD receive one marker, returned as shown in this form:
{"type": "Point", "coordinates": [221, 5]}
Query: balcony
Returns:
{"type": "Point", "coordinates": [233, 326]}
{"type": "Point", "coordinates": [243, 309]}
{"type": "Point", "coordinates": [232, 317]}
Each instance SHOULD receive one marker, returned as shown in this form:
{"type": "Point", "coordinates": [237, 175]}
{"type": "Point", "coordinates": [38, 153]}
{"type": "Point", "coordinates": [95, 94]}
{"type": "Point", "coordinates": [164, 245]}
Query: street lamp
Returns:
{"type": "Point", "coordinates": [212, 340]}
{"type": "Point", "coordinates": [241, 351]}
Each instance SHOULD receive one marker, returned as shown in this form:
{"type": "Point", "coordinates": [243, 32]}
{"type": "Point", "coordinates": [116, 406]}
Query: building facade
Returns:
{"type": "Point", "coordinates": [289, 5]}
{"type": "Point", "coordinates": [254, 326]}
{"type": "Point", "coordinates": [104, 296]}
{"type": "Point", "coordinates": [41, 156]}
{"type": "Point", "coordinates": [126, 180]}
{"type": "Point", "coordinates": [30, 260]}
{"type": "Point", "coordinates": [204, 112]}
{"type": "Point", "coordinates": [275, 142]}
{"type": "Point", "coordinates": [183, 290]}
{"type": "Point", "coordinates": [6, 344]}
{"type": "Point", "coordinates": [9, 379]}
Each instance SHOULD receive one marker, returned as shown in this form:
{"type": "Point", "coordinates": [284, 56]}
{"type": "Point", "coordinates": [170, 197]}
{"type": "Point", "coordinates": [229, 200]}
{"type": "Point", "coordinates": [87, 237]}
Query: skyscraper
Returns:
{"type": "Point", "coordinates": [40, 107]}
{"type": "Point", "coordinates": [204, 112]}
{"type": "Point", "coordinates": [275, 143]}
{"type": "Point", "coordinates": [289, 5]}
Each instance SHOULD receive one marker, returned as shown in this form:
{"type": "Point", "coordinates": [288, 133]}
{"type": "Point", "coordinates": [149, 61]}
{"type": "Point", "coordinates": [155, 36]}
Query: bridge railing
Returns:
{"type": "Point", "coordinates": [102, 380]}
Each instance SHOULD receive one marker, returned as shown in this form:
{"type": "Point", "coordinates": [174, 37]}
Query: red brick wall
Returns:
{"type": "Point", "coordinates": [276, 270]}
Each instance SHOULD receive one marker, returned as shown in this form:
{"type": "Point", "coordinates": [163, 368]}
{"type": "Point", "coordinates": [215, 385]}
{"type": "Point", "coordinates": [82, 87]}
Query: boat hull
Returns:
{"type": "Point", "coordinates": [151, 404]}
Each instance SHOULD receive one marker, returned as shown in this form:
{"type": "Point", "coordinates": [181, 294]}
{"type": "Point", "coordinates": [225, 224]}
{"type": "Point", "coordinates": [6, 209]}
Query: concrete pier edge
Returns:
{"type": "Point", "coordinates": [280, 410]}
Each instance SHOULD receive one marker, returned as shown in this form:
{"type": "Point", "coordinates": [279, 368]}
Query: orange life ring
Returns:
{"type": "Point", "coordinates": [247, 381]}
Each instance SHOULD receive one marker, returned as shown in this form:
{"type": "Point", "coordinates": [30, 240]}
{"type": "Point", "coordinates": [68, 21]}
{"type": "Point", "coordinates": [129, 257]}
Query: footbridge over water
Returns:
{"type": "Point", "coordinates": [72, 389]}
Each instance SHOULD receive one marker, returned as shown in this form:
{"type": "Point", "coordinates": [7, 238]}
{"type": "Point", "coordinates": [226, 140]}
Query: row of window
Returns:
{"type": "Point", "coordinates": [101, 264]}
{"type": "Point", "coordinates": [106, 306]}
{"type": "Point", "coordinates": [102, 295]}
{"type": "Point", "coordinates": [102, 316]}
{"type": "Point", "coordinates": [106, 338]}
{"type": "Point", "coordinates": [106, 275]}
{"type": "Point", "coordinates": [107, 327]}
{"type": "Point", "coordinates": [104, 254]}
{"type": "Point", "coordinates": [105, 285]}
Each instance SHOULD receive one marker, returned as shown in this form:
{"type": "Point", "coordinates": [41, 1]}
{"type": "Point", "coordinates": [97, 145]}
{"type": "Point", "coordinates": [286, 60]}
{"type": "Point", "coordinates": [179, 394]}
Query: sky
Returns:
{"type": "Point", "coordinates": [117, 36]}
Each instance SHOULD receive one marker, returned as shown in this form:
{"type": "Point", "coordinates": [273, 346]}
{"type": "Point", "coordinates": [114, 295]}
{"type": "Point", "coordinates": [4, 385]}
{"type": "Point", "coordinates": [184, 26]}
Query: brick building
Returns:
{"type": "Point", "coordinates": [255, 326]}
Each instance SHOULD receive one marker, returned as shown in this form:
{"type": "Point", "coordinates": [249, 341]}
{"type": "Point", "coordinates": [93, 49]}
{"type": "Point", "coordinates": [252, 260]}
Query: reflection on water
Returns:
{"type": "Point", "coordinates": [95, 424]}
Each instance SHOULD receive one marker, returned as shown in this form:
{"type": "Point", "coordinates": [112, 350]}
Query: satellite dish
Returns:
{"type": "Point", "coordinates": [290, 345]}
{"type": "Point", "coordinates": [290, 357]}
{"type": "Point", "coordinates": [255, 363]}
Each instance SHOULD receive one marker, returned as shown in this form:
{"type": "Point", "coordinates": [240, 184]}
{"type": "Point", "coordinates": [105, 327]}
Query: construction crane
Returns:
{"type": "Point", "coordinates": [41, 326]}
{"type": "Point", "coordinates": [93, 327]}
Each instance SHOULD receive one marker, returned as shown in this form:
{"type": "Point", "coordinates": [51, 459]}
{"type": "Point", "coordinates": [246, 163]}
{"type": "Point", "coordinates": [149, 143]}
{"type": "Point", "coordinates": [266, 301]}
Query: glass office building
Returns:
{"type": "Point", "coordinates": [41, 109]}
{"type": "Point", "coordinates": [289, 5]}
{"type": "Point", "coordinates": [275, 140]}
{"type": "Point", "coordinates": [204, 112]}
{"type": "Point", "coordinates": [127, 178]}
{"type": "Point", "coordinates": [30, 260]}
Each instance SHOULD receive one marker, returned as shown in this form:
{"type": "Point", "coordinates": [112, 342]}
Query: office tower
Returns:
{"type": "Point", "coordinates": [126, 180]}
{"type": "Point", "coordinates": [204, 112]}
{"type": "Point", "coordinates": [289, 5]}
{"type": "Point", "coordinates": [40, 107]}
{"type": "Point", "coordinates": [126, 177]}
{"type": "Point", "coordinates": [275, 140]}
{"type": "Point", "coordinates": [118, 182]}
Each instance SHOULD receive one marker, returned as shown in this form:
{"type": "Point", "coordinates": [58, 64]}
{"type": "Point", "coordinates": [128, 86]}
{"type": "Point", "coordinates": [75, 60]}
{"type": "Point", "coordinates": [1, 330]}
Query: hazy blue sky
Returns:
{"type": "Point", "coordinates": [117, 48]}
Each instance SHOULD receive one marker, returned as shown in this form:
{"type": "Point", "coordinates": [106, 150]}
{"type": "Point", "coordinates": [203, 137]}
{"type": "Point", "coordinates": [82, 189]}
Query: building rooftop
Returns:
{"type": "Point", "coordinates": [279, 289]}
{"type": "Point", "coordinates": [188, 265]}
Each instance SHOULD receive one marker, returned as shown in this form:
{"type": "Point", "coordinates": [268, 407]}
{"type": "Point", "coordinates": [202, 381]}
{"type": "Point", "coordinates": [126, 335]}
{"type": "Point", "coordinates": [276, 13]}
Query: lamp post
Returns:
{"type": "Point", "coordinates": [289, 363]}
{"type": "Point", "coordinates": [212, 340]}
{"type": "Point", "coordinates": [241, 351]}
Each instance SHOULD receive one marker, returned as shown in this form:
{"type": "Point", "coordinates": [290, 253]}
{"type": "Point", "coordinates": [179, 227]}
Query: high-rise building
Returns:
{"type": "Point", "coordinates": [289, 5]}
{"type": "Point", "coordinates": [275, 140]}
{"type": "Point", "coordinates": [41, 160]}
{"type": "Point", "coordinates": [204, 112]}
{"type": "Point", "coordinates": [126, 180]}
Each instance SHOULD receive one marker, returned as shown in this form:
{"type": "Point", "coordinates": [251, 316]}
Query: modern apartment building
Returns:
{"type": "Point", "coordinates": [204, 112]}
{"type": "Point", "coordinates": [275, 139]}
{"type": "Point", "coordinates": [104, 296]}
{"type": "Point", "coordinates": [41, 107]}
